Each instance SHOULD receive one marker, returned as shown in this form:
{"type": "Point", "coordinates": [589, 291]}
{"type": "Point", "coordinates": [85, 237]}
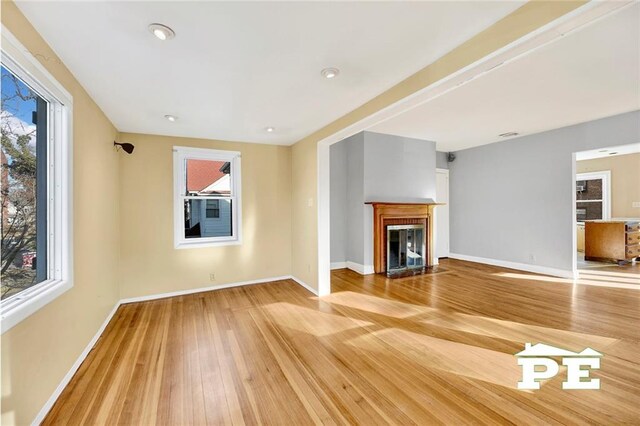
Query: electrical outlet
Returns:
{"type": "Point", "coordinates": [310, 202]}
{"type": "Point", "coordinates": [212, 277]}
{"type": "Point", "coordinates": [532, 257]}
{"type": "Point", "coordinates": [308, 267]}
{"type": "Point", "coordinates": [635, 204]}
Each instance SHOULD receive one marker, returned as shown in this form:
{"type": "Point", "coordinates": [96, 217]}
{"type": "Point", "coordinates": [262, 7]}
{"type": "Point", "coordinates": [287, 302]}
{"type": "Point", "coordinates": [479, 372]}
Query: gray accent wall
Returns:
{"type": "Point", "coordinates": [395, 169]}
{"type": "Point", "coordinates": [347, 199]}
{"type": "Point", "coordinates": [338, 200]}
{"type": "Point", "coordinates": [355, 198]}
{"type": "Point", "coordinates": [400, 168]}
{"type": "Point", "coordinates": [513, 200]}
{"type": "Point", "coordinates": [373, 167]}
{"type": "Point", "coordinates": [441, 160]}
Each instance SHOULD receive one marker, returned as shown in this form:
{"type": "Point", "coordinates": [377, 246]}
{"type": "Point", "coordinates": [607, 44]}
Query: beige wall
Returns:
{"type": "Point", "coordinates": [527, 18]}
{"type": "Point", "coordinates": [304, 241]}
{"type": "Point", "coordinates": [149, 262]}
{"type": "Point", "coordinates": [40, 350]}
{"type": "Point", "coordinates": [625, 176]}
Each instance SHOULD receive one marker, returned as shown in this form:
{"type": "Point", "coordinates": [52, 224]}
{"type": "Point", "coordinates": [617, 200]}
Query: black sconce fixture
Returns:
{"type": "Point", "coordinates": [127, 147]}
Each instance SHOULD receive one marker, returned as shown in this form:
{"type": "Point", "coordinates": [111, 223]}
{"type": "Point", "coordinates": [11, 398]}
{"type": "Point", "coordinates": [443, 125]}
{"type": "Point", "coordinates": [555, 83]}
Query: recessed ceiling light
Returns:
{"type": "Point", "coordinates": [162, 31]}
{"type": "Point", "coordinates": [270, 129]}
{"type": "Point", "coordinates": [508, 134]}
{"type": "Point", "coordinates": [171, 118]}
{"type": "Point", "coordinates": [330, 73]}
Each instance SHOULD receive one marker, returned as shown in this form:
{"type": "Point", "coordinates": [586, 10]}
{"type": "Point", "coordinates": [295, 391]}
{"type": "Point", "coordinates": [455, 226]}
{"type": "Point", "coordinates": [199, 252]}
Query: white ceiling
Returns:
{"type": "Point", "coordinates": [608, 152]}
{"type": "Point", "coordinates": [588, 74]}
{"type": "Point", "coordinates": [235, 68]}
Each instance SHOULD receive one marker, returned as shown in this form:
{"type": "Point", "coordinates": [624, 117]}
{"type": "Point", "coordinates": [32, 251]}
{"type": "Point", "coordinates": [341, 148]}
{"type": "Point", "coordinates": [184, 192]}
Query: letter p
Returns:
{"type": "Point", "coordinates": [531, 377]}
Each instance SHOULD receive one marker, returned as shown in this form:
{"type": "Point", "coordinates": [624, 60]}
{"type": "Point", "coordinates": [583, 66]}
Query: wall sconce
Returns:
{"type": "Point", "coordinates": [127, 147]}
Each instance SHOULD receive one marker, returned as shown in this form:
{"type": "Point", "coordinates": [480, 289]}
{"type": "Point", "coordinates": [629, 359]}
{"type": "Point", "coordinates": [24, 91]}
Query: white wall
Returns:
{"type": "Point", "coordinates": [513, 200]}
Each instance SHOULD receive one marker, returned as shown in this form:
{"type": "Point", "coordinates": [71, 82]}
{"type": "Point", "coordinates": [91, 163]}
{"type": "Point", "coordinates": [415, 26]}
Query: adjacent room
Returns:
{"type": "Point", "coordinates": [606, 199]}
{"type": "Point", "coordinates": [283, 213]}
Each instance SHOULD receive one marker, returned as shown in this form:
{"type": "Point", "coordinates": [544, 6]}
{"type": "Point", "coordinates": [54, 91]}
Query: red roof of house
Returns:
{"type": "Point", "coordinates": [202, 173]}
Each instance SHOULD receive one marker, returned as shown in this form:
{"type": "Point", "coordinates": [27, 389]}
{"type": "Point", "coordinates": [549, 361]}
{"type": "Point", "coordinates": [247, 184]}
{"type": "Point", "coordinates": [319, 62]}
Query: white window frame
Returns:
{"type": "Point", "coordinates": [605, 175]}
{"type": "Point", "coordinates": [16, 58]}
{"type": "Point", "coordinates": [180, 155]}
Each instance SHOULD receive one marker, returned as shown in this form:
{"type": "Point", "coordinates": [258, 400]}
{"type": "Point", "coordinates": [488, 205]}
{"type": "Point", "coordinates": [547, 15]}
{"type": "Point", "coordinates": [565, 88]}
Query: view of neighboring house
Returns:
{"type": "Point", "coordinates": [208, 215]}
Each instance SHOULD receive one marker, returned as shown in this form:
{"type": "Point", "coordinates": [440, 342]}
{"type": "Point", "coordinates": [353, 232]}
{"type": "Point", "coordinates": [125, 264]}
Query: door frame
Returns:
{"type": "Point", "coordinates": [435, 216]}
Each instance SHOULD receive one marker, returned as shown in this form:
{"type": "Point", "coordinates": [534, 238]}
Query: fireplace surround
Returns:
{"type": "Point", "coordinates": [390, 216]}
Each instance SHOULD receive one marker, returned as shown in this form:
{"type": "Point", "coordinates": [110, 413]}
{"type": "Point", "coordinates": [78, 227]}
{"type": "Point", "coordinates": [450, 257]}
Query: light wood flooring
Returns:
{"type": "Point", "coordinates": [432, 349]}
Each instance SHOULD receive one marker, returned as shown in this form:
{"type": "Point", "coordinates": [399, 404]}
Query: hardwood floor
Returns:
{"type": "Point", "coordinates": [432, 349]}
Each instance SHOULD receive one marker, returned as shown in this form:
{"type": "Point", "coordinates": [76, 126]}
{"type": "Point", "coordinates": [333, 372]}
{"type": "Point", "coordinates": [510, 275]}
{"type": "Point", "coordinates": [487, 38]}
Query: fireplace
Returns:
{"type": "Point", "coordinates": [405, 248]}
{"type": "Point", "coordinates": [402, 236]}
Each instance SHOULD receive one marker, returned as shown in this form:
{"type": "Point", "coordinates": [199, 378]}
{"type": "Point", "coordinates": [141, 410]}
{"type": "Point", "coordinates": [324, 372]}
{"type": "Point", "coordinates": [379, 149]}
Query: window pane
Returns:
{"type": "Point", "coordinates": [206, 177]}
{"type": "Point", "coordinates": [213, 209]}
{"type": "Point", "coordinates": [198, 224]}
{"type": "Point", "coordinates": [589, 211]}
{"type": "Point", "coordinates": [24, 186]}
{"type": "Point", "coordinates": [589, 189]}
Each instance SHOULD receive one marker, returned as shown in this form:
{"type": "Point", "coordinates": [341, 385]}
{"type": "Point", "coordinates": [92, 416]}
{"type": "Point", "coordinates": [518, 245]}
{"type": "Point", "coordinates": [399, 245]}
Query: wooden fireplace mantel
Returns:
{"type": "Point", "coordinates": [385, 212]}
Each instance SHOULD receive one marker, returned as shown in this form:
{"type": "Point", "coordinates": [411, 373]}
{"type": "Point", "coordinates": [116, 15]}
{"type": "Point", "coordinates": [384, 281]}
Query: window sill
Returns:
{"type": "Point", "coordinates": [204, 244]}
{"type": "Point", "coordinates": [22, 305]}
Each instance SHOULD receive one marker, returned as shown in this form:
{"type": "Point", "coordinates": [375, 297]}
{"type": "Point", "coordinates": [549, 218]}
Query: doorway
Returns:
{"type": "Point", "coordinates": [607, 207]}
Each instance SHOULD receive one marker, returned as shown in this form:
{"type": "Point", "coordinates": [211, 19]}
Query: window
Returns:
{"type": "Point", "coordinates": [24, 186]}
{"type": "Point", "coordinates": [207, 197]}
{"type": "Point", "coordinates": [592, 196]}
{"type": "Point", "coordinates": [35, 122]}
{"type": "Point", "coordinates": [213, 209]}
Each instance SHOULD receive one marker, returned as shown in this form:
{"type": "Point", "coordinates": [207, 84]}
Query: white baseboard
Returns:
{"type": "Point", "coordinates": [361, 269]}
{"type": "Point", "coordinates": [74, 368]}
{"type": "Point", "coordinates": [338, 265]}
{"type": "Point", "coordinates": [67, 378]}
{"type": "Point", "coordinates": [554, 272]}
{"type": "Point", "coordinates": [305, 285]}
{"type": "Point", "coordinates": [203, 289]}
{"type": "Point", "coordinates": [356, 267]}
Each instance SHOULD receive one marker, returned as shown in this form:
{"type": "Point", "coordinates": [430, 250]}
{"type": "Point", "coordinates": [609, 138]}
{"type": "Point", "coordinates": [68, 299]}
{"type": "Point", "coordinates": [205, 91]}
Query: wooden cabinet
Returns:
{"type": "Point", "coordinates": [611, 240]}
{"type": "Point", "coordinates": [580, 235]}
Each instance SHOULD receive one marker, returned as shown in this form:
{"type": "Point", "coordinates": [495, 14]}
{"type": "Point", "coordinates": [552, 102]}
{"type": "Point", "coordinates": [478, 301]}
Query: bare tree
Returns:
{"type": "Point", "coordinates": [18, 191]}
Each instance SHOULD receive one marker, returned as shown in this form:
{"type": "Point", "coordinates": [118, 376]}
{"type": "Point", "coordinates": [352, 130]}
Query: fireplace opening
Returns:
{"type": "Point", "coordinates": [405, 248]}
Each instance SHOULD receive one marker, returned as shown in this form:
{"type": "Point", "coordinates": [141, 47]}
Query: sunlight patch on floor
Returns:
{"type": "Point", "coordinates": [581, 281]}
{"type": "Point", "coordinates": [433, 353]}
{"type": "Point", "coordinates": [377, 305]}
{"type": "Point", "coordinates": [310, 321]}
{"type": "Point", "coordinates": [610, 276]}
{"type": "Point", "coordinates": [518, 332]}
{"type": "Point", "coordinates": [612, 273]}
